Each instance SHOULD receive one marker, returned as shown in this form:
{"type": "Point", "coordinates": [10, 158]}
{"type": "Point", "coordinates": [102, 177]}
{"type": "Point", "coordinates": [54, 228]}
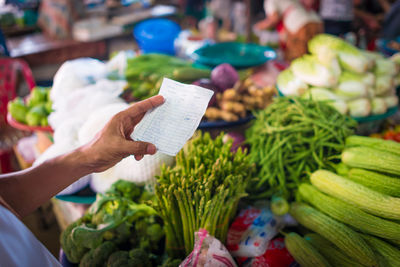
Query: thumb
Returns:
{"type": "Point", "coordinates": [139, 148]}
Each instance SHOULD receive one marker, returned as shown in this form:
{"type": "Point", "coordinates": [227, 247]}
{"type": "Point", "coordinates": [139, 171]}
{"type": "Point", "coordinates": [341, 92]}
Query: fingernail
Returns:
{"type": "Point", "coordinates": [151, 149]}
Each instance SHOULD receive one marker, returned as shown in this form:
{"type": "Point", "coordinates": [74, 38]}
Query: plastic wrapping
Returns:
{"type": "Point", "coordinates": [56, 150]}
{"type": "Point", "coordinates": [75, 74]}
{"type": "Point", "coordinates": [208, 252]}
{"type": "Point", "coordinates": [141, 172]}
{"type": "Point", "coordinates": [81, 103]}
{"type": "Point", "coordinates": [97, 120]}
{"type": "Point", "coordinates": [276, 256]}
{"type": "Point", "coordinates": [252, 230]}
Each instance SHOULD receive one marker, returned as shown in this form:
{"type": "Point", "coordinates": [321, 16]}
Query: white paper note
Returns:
{"type": "Point", "coordinates": [170, 125]}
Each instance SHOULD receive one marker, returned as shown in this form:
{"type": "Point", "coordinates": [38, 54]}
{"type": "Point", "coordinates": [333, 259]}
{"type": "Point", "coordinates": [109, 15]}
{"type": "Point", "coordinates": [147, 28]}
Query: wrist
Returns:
{"type": "Point", "coordinates": [80, 161]}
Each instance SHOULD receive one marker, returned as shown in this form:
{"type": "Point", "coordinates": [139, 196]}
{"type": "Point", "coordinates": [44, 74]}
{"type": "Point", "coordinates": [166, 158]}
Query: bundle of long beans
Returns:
{"type": "Point", "coordinates": [201, 191]}
{"type": "Point", "coordinates": [291, 138]}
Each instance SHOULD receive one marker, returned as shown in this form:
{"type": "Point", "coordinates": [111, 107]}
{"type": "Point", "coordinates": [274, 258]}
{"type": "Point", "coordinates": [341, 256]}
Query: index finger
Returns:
{"type": "Point", "coordinates": [143, 106]}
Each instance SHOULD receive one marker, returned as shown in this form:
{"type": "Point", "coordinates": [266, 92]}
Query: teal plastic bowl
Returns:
{"type": "Point", "coordinates": [239, 55]}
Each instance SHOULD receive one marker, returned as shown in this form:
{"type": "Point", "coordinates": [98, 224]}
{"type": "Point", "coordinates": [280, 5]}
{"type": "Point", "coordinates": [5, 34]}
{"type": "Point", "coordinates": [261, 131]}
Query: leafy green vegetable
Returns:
{"type": "Point", "coordinates": [308, 69]}
{"type": "Point", "coordinates": [351, 86]}
{"type": "Point", "coordinates": [289, 84]}
{"type": "Point", "coordinates": [350, 58]}
{"type": "Point", "coordinates": [140, 257]}
{"type": "Point", "coordinates": [378, 106]}
{"type": "Point", "coordinates": [294, 137]}
{"type": "Point", "coordinates": [391, 101]}
{"type": "Point", "coordinates": [384, 66]}
{"type": "Point", "coordinates": [384, 83]}
{"type": "Point", "coordinates": [120, 259]}
{"type": "Point", "coordinates": [115, 221]}
{"type": "Point", "coordinates": [74, 252]}
{"type": "Point", "coordinates": [371, 57]}
{"type": "Point", "coordinates": [97, 257]}
{"type": "Point", "coordinates": [368, 79]}
{"type": "Point", "coordinates": [322, 94]}
{"type": "Point", "coordinates": [360, 107]}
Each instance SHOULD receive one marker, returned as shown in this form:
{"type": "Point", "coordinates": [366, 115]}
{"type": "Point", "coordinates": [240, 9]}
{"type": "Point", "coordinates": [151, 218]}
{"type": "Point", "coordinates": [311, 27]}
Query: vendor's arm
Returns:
{"type": "Point", "coordinates": [26, 190]}
{"type": "Point", "coordinates": [370, 20]}
{"type": "Point", "coordinates": [270, 22]}
{"type": "Point", "coordinates": [385, 5]}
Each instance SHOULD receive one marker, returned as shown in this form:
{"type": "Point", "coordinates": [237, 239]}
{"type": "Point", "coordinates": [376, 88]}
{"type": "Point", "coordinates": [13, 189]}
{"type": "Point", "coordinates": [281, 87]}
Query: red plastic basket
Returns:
{"type": "Point", "coordinates": [25, 127]}
{"type": "Point", "coordinates": [9, 69]}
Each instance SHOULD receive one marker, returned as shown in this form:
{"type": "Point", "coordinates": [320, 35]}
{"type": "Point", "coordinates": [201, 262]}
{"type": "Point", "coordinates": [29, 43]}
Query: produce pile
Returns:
{"type": "Point", "coordinates": [144, 73]}
{"type": "Point", "coordinates": [36, 109]}
{"type": "Point", "coordinates": [119, 229]}
{"type": "Point", "coordinates": [355, 215]}
{"type": "Point", "coordinates": [236, 102]}
{"type": "Point", "coordinates": [291, 138]}
{"type": "Point", "coordinates": [304, 161]}
{"type": "Point", "coordinates": [201, 191]}
{"type": "Point", "coordinates": [234, 96]}
{"type": "Point", "coordinates": [356, 82]}
{"type": "Point", "coordinates": [391, 132]}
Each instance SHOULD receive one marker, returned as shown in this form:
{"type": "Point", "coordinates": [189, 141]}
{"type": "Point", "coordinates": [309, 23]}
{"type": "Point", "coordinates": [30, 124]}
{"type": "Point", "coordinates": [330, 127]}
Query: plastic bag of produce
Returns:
{"type": "Point", "coordinates": [276, 256]}
{"type": "Point", "coordinates": [67, 131]}
{"type": "Point", "coordinates": [75, 74]}
{"type": "Point", "coordinates": [97, 120]}
{"type": "Point", "coordinates": [252, 230]}
{"type": "Point", "coordinates": [143, 171]}
{"type": "Point", "coordinates": [56, 150]}
{"type": "Point", "coordinates": [140, 172]}
{"type": "Point", "coordinates": [208, 252]}
{"type": "Point", "coordinates": [117, 64]}
{"type": "Point", "coordinates": [81, 103]}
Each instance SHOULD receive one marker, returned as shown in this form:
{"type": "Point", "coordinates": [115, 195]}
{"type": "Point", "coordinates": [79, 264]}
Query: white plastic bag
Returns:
{"type": "Point", "coordinates": [117, 65]}
{"type": "Point", "coordinates": [81, 103]}
{"type": "Point", "coordinates": [56, 150]}
{"type": "Point", "coordinates": [75, 74]}
{"type": "Point", "coordinates": [143, 171]}
{"type": "Point", "coordinates": [140, 172]}
{"type": "Point", "coordinates": [102, 181]}
{"type": "Point", "coordinates": [67, 132]}
{"type": "Point", "coordinates": [97, 120]}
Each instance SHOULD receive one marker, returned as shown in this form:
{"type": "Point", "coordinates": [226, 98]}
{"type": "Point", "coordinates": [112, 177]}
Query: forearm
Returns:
{"type": "Point", "coordinates": [26, 190]}
{"type": "Point", "coordinates": [362, 14]}
{"type": "Point", "coordinates": [267, 24]}
{"type": "Point", "coordinates": [385, 5]}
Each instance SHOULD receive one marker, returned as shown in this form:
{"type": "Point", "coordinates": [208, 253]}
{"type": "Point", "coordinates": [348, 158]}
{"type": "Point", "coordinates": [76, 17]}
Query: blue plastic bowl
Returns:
{"type": "Point", "coordinates": [156, 36]}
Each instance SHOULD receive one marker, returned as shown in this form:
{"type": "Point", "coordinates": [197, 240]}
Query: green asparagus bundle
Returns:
{"type": "Point", "coordinates": [201, 191]}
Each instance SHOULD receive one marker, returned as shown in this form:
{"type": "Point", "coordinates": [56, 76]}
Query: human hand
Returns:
{"type": "Point", "coordinates": [113, 142]}
{"type": "Point", "coordinates": [260, 25]}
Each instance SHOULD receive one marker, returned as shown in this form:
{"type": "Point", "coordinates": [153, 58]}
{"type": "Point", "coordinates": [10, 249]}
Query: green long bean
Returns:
{"type": "Point", "coordinates": [291, 138]}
